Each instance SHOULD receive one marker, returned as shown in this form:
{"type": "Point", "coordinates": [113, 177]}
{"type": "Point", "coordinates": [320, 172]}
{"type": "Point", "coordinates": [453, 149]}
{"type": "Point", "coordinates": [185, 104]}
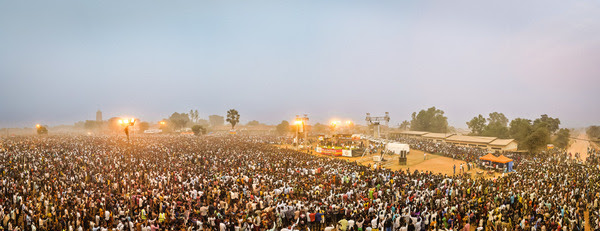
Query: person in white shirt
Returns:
{"type": "Point", "coordinates": [374, 223]}
{"type": "Point", "coordinates": [329, 228]}
{"type": "Point", "coordinates": [222, 227]}
{"type": "Point", "coordinates": [350, 224]}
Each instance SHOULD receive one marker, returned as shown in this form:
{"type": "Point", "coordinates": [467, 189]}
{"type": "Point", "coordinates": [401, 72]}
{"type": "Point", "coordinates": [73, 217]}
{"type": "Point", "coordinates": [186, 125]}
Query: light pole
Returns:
{"type": "Point", "coordinates": [161, 125]}
{"type": "Point", "coordinates": [301, 122]}
{"type": "Point", "coordinates": [127, 123]}
{"type": "Point", "coordinates": [349, 126]}
{"type": "Point", "coordinates": [334, 125]}
{"type": "Point", "coordinates": [298, 123]}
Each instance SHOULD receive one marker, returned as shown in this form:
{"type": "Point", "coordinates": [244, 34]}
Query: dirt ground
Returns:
{"type": "Point", "coordinates": [580, 145]}
{"type": "Point", "coordinates": [415, 161]}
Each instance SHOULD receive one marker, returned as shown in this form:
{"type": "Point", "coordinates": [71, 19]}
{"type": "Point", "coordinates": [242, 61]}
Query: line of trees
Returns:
{"type": "Point", "coordinates": [495, 125]}
{"type": "Point", "coordinates": [285, 127]}
{"type": "Point", "coordinates": [178, 121]}
{"type": "Point", "coordinates": [593, 132]}
{"type": "Point", "coordinates": [531, 135]}
{"type": "Point", "coordinates": [430, 120]}
{"type": "Point", "coordinates": [233, 117]}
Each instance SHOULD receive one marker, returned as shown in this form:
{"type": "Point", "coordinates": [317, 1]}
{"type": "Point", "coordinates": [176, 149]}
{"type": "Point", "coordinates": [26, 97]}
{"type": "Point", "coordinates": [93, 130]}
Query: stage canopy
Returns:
{"type": "Point", "coordinates": [499, 159]}
{"type": "Point", "coordinates": [397, 148]}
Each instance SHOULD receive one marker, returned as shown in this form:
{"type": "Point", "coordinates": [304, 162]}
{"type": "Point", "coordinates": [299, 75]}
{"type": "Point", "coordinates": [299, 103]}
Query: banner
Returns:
{"type": "Point", "coordinates": [347, 153]}
{"type": "Point", "coordinates": [329, 151]}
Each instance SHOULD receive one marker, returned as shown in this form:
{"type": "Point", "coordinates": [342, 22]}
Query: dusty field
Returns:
{"type": "Point", "coordinates": [580, 145]}
{"type": "Point", "coordinates": [415, 161]}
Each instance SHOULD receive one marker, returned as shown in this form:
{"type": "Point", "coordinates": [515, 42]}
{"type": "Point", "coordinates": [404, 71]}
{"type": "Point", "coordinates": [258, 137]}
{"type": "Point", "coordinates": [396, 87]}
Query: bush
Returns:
{"type": "Point", "coordinates": [198, 130]}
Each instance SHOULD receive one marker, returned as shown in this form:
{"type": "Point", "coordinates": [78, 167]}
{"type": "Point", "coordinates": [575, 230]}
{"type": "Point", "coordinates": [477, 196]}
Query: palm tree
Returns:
{"type": "Point", "coordinates": [233, 117]}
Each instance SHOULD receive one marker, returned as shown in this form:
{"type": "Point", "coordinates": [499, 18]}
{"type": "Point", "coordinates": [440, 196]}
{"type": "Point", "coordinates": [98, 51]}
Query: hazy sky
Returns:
{"type": "Point", "coordinates": [60, 61]}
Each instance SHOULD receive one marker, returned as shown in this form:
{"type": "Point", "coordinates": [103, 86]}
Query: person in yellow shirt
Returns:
{"type": "Point", "coordinates": [161, 217]}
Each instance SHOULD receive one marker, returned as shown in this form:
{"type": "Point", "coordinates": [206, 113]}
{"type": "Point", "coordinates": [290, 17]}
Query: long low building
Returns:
{"type": "Point", "coordinates": [437, 137]}
{"type": "Point", "coordinates": [413, 134]}
{"type": "Point", "coordinates": [504, 145]}
{"type": "Point", "coordinates": [485, 142]}
{"type": "Point", "coordinates": [471, 141]}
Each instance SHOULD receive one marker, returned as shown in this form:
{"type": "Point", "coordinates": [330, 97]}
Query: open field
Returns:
{"type": "Point", "coordinates": [415, 161]}
{"type": "Point", "coordinates": [580, 145]}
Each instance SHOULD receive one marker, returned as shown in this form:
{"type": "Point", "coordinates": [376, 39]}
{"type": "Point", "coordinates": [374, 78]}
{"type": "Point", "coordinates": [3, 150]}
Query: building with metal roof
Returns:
{"type": "Point", "coordinates": [484, 142]}
{"type": "Point", "coordinates": [504, 145]}
{"type": "Point", "coordinates": [438, 137]}
{"type": "Point", "coordinates": [411, 134]}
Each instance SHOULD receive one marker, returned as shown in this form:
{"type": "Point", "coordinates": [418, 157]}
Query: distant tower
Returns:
{"type": "Point", "coordinates": [99, 116]}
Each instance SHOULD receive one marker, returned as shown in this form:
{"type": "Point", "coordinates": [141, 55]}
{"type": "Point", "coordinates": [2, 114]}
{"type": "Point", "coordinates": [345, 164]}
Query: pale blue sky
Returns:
{"type": "Point", "coordinates": [60, 61]}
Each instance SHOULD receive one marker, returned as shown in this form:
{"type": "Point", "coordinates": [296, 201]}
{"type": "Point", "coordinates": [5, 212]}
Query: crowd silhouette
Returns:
{"type": "Point", "coordinates": [238, 182]}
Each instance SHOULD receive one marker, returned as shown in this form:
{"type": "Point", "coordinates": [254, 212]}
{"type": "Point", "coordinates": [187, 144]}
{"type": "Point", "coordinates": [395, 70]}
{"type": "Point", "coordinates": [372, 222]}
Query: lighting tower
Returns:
{"type": "Point", "coordinates": [127, 123]}
{"type": "Point", "coordinates": [376, 121]}
{"type": "Point", "coordinates": [301, 122]}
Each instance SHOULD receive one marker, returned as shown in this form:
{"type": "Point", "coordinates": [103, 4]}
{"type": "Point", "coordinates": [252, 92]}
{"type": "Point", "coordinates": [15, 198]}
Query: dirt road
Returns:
{"type": "Point", "coordinates": [580, 144]}
{"type": "Point", "coordinates": [416, 161]}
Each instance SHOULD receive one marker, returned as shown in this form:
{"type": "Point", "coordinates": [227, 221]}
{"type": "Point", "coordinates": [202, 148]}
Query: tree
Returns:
{"type": "Point", "coordinates": [552, 124]}
{"type": "Point", "coordinates": [42, 130]}
{"type": "Point", "coordinates": [319, 128]}
{"type": "Point", "coordinates": [430, 120]}
{"type": "Point", "coordinates": [537, 140]}
{"type": "Point", "coordinates": [496, 130]}
{"type": "Point", "coordinates": [144, 126]}
{"type": "Point", "coordinates": [562, 138]}
{"type": "Point", "coordinates": [519, 129]}
{"type": "Point", "coordinates": [593, 132]}
{"type": "Point", "coordinates": [233, 117]}
{"type": "Point", "coordinates": [198, 130]}
{"type": "Point", "coordinates": [179, 120]}
{"type": "Point", "coordinates": [477, 125]}
{"type": "Point", "coordinates": [283, 128]}
{"type": "Point", "coordinates": [253, 123]}
{"type": "Point", "coordinates": [499, 118]}
{"type": "Point", "coordinates": [91, 125]}
{"type": "Point", "coordinates": [203, 122]}
{"type": "Point", "coordinates": [194, 116]}
{"type": "Point", "coordinates": [497, 125]}
{"type": "Point", "coordinates": [405, 125]}
{"type": "Point", "coordinates": [216, 120]}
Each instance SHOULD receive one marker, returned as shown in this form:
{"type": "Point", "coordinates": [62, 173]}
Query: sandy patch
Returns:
{"type": "Point", "coordinates": [416, 161]}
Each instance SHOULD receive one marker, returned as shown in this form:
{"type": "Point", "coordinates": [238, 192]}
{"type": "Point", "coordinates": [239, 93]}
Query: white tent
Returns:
{"type": "Point", "coordinates": [396, 148]}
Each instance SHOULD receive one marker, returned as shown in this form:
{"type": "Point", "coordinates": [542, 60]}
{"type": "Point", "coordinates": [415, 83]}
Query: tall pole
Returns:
{"type": "Point", "coordinates": [304, 121]}
{"type": "Point", "coordinates": [297, 131]}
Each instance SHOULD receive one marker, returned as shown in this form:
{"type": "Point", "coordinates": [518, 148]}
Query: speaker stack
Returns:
{"type": "Point", "coordinates": [402, 158]}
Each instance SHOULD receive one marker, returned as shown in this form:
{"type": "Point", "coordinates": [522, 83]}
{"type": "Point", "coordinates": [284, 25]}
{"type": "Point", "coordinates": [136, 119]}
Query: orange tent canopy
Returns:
{"type": "Point", "coordinates": [488, 157]}
{"type": "Point", "coordinates": [503, 159]}
{"type": "Point", "coordinates": [497, 159]}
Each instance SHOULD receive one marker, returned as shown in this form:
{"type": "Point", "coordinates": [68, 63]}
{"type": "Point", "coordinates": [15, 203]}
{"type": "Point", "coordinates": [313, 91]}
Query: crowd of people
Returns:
{"type": "Point", "coordinates": [468, 154]}
{"type": "Point", "coordinates": [244, 183]}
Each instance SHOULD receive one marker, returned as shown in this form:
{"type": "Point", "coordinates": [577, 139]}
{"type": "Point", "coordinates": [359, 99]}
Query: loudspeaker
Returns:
{"type": "Point", "coordinates": [402, 160]}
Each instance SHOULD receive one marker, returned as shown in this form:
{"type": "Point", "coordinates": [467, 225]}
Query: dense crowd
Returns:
{"type": "Point", "coordinates": [468, 154]}
{"type": "Point", "coordinates": [244, 183]}
{"type": "Point", "coordinates": [593, 156]}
